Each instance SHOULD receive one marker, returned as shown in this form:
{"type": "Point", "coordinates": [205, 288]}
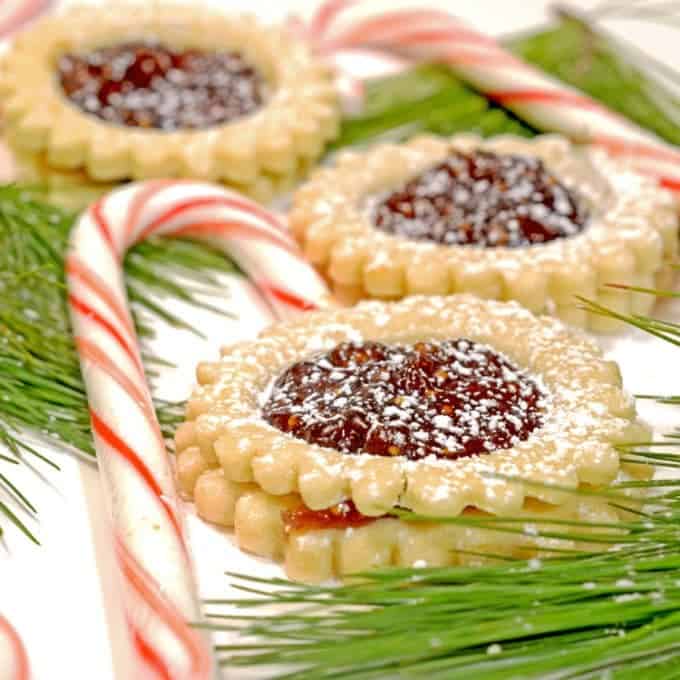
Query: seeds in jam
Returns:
{"type": "Point", "coordinates": [448, 399]}
{"type": "Point", "coordinates": [483, 199]}
{"type": "Point", "coordinates": [148, 85]}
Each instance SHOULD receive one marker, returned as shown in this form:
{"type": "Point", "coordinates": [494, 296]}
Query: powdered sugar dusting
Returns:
{"type": "Point", "coordinates": [585, 415]}
{"type": "Point", "coordinates": [146, 84]}
{"type": "Point", "coordinates": [448, 399]}
{"type": "Point", "coordinates": [483, 199]}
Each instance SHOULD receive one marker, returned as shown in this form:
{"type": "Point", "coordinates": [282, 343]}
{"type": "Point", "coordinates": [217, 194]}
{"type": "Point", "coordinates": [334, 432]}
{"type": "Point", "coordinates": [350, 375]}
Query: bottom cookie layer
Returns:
{"type": "Point", "coordinates": [314, 555]}
{"type": "Point", "coordinates": [75, 190]}
{"type": "Point", "coordinates": [617, 300]}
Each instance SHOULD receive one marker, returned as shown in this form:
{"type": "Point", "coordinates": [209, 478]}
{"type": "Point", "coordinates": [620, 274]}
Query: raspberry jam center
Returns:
{"type": "Point", "coordinates": [483, 199]}
{"type": "Point", "coordinates": [148, 85]}
{"type": "Point", "coordinates": [448, 399]}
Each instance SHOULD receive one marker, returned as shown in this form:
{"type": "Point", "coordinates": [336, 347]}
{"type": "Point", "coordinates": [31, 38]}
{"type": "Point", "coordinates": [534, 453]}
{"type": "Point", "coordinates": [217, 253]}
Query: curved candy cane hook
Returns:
{"type": "Point", "coordinates": [152, 552]}
{"type": "Point", "coordinates": [13, 658]}
{"type": "Point", "coordinates": [435, 35]}
{"type": "Point", "coordinates": [15, 13]}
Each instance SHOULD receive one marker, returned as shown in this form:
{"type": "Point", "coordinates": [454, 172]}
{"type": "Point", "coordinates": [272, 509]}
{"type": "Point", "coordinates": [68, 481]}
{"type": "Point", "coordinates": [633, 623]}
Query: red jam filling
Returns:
{"type": "Point", "coordinates": [148, 85]}
{"type": "Point", "coordinates": [448, 399]}
{"type": "Point", "coordinates": [341, 516]}
{"type": "Point", "coordinates": [483, 199]}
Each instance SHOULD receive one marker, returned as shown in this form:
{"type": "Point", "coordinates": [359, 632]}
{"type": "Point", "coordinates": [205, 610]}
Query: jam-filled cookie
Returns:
{"type": "Point", "coordinates": [311, 438]}
{"type": "Point", "coordinates": [171, 91]}
{"type": "Point", "coordinates": [538, 221]}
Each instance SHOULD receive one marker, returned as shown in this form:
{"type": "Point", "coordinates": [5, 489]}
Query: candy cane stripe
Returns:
{"type": "Point", "coordinates": [21, 669]}
{"type": "Point", "coordinates": [147, 589]}
{"type": "Point", "coordinates": [465, 57]}
{"type": "Point", "coordinates": [418, 18]}
{"type": "Point", "coordinates": [149, 654]}
{"type": "Point", "coordinates": [157, 607]}
{"type": "Point", "coordinates": [209, 201]}
{"type": "Point", "coordinates": [668, 182]}
{"type": "Point", "coordinates": [406, 26]}
{"type": "Point", "coordinates": [409, 35]}
{"type": "Point", "coordinates": [327, 13]}
{"type": "Point", "coordinates": [75, 268]}
{"type": "Point", "coordinates": [83, 308]}
{"type": "Point", "coordinates": [94, 354]}
{"type": "Point", "coordinates": [97, 211]}
{"type": "Point", "coordinates": [140, 201]}
{"type": "Point", "coordinates": [288, 298]}
{"type": "Point", "coordinates": [227, 229]}
{"type": "Point", "coordinates": [107, 435]}
{"type": "Point", "coordinates": [542, 100]}
{"type": "Point", "coordinates": [622, 147]}
{"type": "Point", "coordinates": [545, 97]}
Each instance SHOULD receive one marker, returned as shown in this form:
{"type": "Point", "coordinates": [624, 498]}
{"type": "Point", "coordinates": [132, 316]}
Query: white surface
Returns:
{"type": "Point", "coordinates": [55, 594]}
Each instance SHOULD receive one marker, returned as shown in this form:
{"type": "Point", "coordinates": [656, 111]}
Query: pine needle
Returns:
{"type": "Point", "coordinates": [588, 612]}
{"type": "Point", "coordinates": [580, 613]}
{"type": "Point", "coordinates": [427, 98]}
{"type": "Point", "coordinates": [41, 388]}
{"type": "Point", "coordinates": [559, 617]}
{"type": "Point", "coordinates": [577, 52]}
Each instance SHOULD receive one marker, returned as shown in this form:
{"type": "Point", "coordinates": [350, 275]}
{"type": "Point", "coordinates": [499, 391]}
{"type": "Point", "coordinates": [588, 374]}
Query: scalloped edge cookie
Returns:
{"type": "Point", "coordinates": [317, 555]}
{"type": "Point", "coordinates": [588, 415]}
{"type": "Point", "coordinates": [632, 233]}
{"type": "Point", "coordinates": [74, 190]}
{"type": "Point", "coordinates": [299, 117]}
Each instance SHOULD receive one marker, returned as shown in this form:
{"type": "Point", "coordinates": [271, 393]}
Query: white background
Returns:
{"type": "Point", "coordinates": [55, 594]}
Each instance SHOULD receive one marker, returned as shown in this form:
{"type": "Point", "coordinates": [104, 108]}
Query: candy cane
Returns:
{"type": "Point", "coordinates": [13, 658]}
{"type": "Point", "coordinates": [538, 98]}
{"type": "Point", "coordinates": [154, 561]}
{"type": "Point", "coordinates": [16, 13]}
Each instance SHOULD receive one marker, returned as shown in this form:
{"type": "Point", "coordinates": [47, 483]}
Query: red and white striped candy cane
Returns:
{"type": "Point", "coordinates": [543, 101]}
{"type": "Point", "coordinates": [13, 658]}
{"type": "Point", "coordinates": [15, 13]}
{"type": "Point", "coordinates": [150, 544]}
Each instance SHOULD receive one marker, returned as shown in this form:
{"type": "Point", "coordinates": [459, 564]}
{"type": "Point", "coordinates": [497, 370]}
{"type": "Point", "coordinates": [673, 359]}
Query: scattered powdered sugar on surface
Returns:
{"type": "Point", "coordinates": [627, 597]}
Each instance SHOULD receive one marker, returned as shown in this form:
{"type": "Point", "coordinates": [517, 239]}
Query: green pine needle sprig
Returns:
{"type": "Point", "coordinates": [429, 98]}
{"type": "Point", "coordinates": [610, 605]}
{"type": "Point", "coordinates": [605, 608]}
{"type": "Point", "coordinates": [41, 388]}
{"type": "Point", "coordinates": [577, 52]}
{"type": "Point", "coordinates": [562, 617]}
{"type": "Point", "coordinates": [580, 612]}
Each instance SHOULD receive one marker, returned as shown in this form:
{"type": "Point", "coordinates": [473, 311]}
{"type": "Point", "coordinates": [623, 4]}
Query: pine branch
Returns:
{"type": "Point", "coordinates": [427, 98]}
{"type": "Point", "coordinates": [430, 98]}
{"type": "Point", "coordinates": [574, 614]}
{"type": "Point", "coordinates": [610, 70]}
{"type": "Point", "coordinates": [40, 381]}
